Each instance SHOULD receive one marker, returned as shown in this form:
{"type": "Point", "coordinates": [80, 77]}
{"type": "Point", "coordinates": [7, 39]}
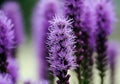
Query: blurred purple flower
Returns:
{"type": "Point", "coordinates": [105, 16]}
{"type": "Point", "coordinates": [12, 10]}
{"type": "Point", "coordinates": [61, 48]}
{"type": "Point", "coordinates": [83, 24]}
{"type": "Point", "coordinates": [13, 68]}
{"type": "Point", "coordinates": [112, 55]}
{"type": "Point", "coordinates": [6, 40]}
{"type": "Point", "coordinates": [5, 79]}
{"type": "Point", "coordinates": [105, 19]}
{"type": "Point", "coordinates": [43, 82]}
{"type": "Point", "coordinates": [44, 11]}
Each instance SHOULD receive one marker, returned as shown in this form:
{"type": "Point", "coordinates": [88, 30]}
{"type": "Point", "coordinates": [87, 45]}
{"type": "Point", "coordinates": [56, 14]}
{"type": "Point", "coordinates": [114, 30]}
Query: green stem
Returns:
{"type": "Point", "coordinates": [102, 79]}
{"type": "Point", "coordinates": [85, 80]}
{"type": "Point", "coordinates": [51, 78]}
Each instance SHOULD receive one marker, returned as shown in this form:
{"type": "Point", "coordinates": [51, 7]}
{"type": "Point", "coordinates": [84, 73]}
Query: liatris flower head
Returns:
{"type": "Point", "coordinates": [12, 10]}
{"type": "Point", "coordinates": [87, 18]}
{"type": "Point", "coordinates": [81, 12]}
{"type": "Point", "coordinates": [43, 13]}
{"type": "Point", "coordinates": [50, 6]}
{"type": "Point", "coordinates": [112, 56]}
{"type": "Point", "coordinates": [112, 53]}
{"type": "Point", "coordinates": [6, 40]}
{"type": "Point", "coordinates": [74, 9]}
{"type": "Point", "coordinates": [105, 19]}
{"type": "Point", "coordinates": [105, 15]}
{"type": "Point", "coordinates": [5, 79]}
{"type": "Point", "coordinates": [61, 48]}
{"type": "Point", "coordinates": [6, 33]}
{"type": "Point", "coordinates": [13, 68]}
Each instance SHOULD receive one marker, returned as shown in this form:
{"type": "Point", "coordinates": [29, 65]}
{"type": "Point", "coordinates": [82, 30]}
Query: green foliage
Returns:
{"type": "Point", "coordinates": [27, 9]}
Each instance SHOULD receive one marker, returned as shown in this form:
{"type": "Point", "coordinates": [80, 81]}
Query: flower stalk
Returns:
{"type": "Point", "coordinates": [105, 18]}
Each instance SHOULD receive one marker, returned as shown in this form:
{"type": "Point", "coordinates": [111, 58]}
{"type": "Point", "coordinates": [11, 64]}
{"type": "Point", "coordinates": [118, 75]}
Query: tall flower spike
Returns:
{"type": "Point", "coordinates": [105, 15]}
{"type": "Point", "coordinates": [6, 40]}
{"type": "Point", "coordinates": [83, 23]}
{"type": "Point", "coordinates": [61, 48]}
{"type": "Point", "coordinates": [105, 18]}
{"type": "Point", "coordinates": [44, 11]}
{"type": "Point", "coordinates": [87, 29]}
{"type": "Point", "coordinates": [12, 9]}
{"type": "Point", "coordinates": [112, 55]}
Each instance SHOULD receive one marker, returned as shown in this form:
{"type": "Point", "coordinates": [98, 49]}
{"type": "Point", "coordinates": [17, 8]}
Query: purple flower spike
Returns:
{"type": "Point", "coordinates": [12, 9]}
{"type": "Point", "coordinates": [44, 12]}
{"type": "Point", "coordinates": [112, 55]}
{"type": "Point", "coordinates": [13, 68]}
{"type": "Point", "coordinates": [61, 48]}
{"type": "Point", "coordinates": [83, 25]}
{"type": "Point", "coordinates": [105, 18]}
{"type": "Point", "coordinates": [13, 12]}
{"type": "Point", "coordinates": [5, 79]}
{"type": "Point", "coordinates": [6, 41]}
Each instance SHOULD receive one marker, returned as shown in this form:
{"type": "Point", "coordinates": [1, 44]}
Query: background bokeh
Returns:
{"type": "Point", "coordinates": [27, 7]}
{"type": "Point", "coordinates": [26, 56]}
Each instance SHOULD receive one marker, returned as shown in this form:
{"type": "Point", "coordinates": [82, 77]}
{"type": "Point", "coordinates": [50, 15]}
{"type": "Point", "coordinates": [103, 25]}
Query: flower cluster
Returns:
{"type": "Point", "coordinates": [44, 11]}
{"type": "Point", "coordinates": [61, 48]}
{"type": "Point", "coordinates": [74, 10]}
{"type": "Point", "coordinates": [82, 14]}
{"type": "Point", "coordinates": [12, 10]}
{"type": "Point", "coordinates": [105, 18]}
{"type": "Point", "coordinates": [112, 56]}
{"type": "Point", "coordinates": [66, 33]}
{"type": "Point", "coordinates": [6, 40]}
